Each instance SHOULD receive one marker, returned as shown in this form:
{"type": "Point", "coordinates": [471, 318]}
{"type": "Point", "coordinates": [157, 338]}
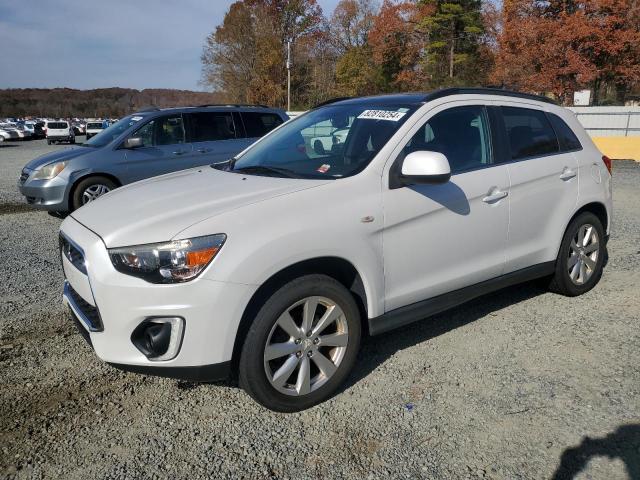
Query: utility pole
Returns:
{"type": "Point", "coordinates": [288, 75]}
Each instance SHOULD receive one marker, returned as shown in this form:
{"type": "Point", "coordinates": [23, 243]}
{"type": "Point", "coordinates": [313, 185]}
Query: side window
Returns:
{"type": "Point", "coordinates": [211, 126]}
{"type": "Point", "coordinates": [529, 133]}
{"type": "Point", "coordinates": [567, 139]}
{"type": "Point", "coordinates": [460, 133]}
{"type": "Point", "coordinates": [258, 124]}
{"type": "Point", "coordinates": [167, 130]}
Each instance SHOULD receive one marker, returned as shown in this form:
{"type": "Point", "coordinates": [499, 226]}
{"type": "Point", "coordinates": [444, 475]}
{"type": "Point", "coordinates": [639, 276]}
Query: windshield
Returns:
{"type": "Point", "coordinates": [109, 134]}
{"type": "Point", "coordinates": [331, 142]}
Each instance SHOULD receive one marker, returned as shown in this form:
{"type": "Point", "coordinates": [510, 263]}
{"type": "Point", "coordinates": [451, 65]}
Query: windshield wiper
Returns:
{"type": "Point", "coordinates": [265, 169]}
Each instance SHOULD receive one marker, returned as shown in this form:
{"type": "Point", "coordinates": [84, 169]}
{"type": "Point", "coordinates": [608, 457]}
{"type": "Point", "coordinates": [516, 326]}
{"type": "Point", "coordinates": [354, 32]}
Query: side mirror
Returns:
{"type": "Point", "coordinates": [425, 167]}
{"type": "Point", "coordinates": [133, 142]}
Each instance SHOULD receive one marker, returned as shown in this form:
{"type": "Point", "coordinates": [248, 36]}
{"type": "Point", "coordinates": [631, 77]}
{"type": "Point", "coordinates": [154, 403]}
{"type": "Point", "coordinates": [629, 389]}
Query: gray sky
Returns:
{"type": "Point", "coordinates": [107, 43]}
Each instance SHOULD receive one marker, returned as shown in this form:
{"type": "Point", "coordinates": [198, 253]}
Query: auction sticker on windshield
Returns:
{"type": "Point", "coordinates": [382, 115]}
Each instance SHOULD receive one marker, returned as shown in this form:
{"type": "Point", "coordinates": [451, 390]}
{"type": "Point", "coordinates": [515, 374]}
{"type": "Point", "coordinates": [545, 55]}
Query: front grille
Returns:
{"type": "Point", "coordinates": [73, 254]}
{"type": "Point", "coordinates": [24, 175]}
{"type": "Point", "coordinates": [88, 311]}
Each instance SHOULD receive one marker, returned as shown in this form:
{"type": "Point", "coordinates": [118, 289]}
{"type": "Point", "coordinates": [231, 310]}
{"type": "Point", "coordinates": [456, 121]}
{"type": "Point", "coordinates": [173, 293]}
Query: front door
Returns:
{"type": "Point", "coordinates": [164, 149]}
{"type": "Point", "coordinates": [439, 238]}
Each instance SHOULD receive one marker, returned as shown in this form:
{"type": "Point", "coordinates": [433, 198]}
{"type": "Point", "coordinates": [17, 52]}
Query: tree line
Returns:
{"type": "Point", "coordinates": [98, 103]}
{"type": "Point", "coordinates": [551, 47]}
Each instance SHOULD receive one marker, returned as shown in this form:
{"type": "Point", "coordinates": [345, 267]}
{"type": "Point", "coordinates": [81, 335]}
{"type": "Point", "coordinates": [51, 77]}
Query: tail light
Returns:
{"type": "Point", "coordinates": [607, 163]}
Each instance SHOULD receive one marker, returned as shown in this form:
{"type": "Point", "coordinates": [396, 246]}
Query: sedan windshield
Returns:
{"type": "Point", "coordinates": [114, 131]}
{"type": "Point", "coordinates": [330, 142]}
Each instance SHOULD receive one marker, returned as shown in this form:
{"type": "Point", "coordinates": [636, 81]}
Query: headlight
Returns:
{"type": "Point", "coordinates": [170, 262]}
{"type": "Point", "coordinates": [50, 171]}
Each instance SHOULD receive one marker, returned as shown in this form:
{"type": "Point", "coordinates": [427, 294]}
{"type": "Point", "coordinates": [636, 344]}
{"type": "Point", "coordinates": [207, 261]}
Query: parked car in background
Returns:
{"type": "Point", "coordinates": [39, 129]}
{"type": "Point", "coordinates": [11, 130]}
{"type": "Point", "coordinates": [273, 265]}
{"type": "Point", "coordinates": [79, 128]}
{"type": "Point", "coordinates": [60, 131]}
{"type": "Point", "coordinates": [94, 128]}
{"type": "Point", "coordinates": [140, 146]}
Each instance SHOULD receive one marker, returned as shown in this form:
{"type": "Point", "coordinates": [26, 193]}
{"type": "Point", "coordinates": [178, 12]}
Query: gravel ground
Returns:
{"type": "Point", "coordinates": [519, 384]}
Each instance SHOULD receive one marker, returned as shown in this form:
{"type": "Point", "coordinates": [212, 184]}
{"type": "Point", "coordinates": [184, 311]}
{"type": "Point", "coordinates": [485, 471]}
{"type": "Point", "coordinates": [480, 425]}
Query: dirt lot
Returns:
{"type": "Point", "coordinates": [520, 384]}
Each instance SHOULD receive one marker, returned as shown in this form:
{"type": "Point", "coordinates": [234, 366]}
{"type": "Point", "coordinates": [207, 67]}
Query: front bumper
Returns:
{"type": "Point", "coordinates": [49, 195]}
{"type": "Point", "coordinates": [211, 311]}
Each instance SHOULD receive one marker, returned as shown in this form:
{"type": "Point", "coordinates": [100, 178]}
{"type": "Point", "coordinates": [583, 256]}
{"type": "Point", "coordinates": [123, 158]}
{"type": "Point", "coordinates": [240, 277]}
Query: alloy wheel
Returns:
{"type": "Point", "coordinates": [583, 254]}
{"type": "Point", "coordinates": [305, 346]}
{"type": "Point", "coordinates": [94, 191]}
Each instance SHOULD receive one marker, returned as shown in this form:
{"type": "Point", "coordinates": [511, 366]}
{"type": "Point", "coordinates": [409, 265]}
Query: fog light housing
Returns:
{"type": "Point", "coordinates": [159, 338]}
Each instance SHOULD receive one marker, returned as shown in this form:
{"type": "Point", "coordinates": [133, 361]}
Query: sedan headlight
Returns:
{"type": "Point", "coordinates": [50, 171]}
{"type": "Point", "coordinates": [170, 262]}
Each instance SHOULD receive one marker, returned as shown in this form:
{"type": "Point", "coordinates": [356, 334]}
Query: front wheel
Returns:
{"type": "Point", "coordinates": [581, 257]}
{"type": "Point", "coordinates": [302, 344]}
{"type": "Point", "coordinates": [90, 189]}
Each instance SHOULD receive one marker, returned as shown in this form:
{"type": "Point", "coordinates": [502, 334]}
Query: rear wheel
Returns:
{"type": "Point", "coordinates": [302, 345]}
{"type": "Point", "coordinates": [581, 257]}
{"type": "Point", "coordinates": [90, 189]}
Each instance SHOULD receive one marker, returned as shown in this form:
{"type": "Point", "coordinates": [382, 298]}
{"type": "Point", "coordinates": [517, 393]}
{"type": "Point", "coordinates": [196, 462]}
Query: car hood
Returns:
{"type": "Point", "coordinates": [157, 209]}
{"type": "Point", "coordinates": [57, 156]}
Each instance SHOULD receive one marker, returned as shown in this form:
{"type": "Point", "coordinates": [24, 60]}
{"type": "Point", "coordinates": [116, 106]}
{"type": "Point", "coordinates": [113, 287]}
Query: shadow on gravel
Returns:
{"type": "Point", "coordinates": [624, 444]}
{"type": "Point", "coordinates": [376, 350]}
{"type": "Point", "coordinates": [9, 208]}
{"type": "Point", "coordinates": [4, 145]}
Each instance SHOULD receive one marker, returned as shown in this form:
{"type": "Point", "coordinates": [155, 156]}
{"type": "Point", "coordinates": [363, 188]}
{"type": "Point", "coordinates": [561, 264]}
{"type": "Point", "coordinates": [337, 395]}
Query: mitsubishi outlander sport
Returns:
{"type": "Point", "coordinates": [273, 265]}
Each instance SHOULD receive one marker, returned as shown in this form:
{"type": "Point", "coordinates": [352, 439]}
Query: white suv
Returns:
{"type": "Point", "coordinates": [271, 266]}
{"type": "Point", "coordinates": [60, 131]}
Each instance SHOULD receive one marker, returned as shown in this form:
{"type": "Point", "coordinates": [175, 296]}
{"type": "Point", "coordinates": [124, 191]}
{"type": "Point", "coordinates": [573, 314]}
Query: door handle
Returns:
{"type": "Point", "coordinates": [494, 195]}
{"type": "Point", "coordinates": [204, 150]}
{"type": "Point", "coordinates": [567, 174]}
{"type": "Point", "coordinates": [179, 152]}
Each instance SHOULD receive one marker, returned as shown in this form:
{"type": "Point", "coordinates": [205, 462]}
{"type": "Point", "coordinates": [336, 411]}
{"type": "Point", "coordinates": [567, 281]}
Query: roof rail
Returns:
{"type": "Point", "coordinates": [445, 92]}
{"type": "Point", "coordinates": [332, 100]}
{"type": "Point", "coordinates": [233, 105]}
{"type": "Point", "coordinates": [148, 108]}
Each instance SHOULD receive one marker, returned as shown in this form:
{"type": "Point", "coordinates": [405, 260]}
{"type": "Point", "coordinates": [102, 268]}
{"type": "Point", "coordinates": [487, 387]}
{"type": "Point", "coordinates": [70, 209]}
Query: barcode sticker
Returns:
{"type": "Point", "coordinates": [392, 116]}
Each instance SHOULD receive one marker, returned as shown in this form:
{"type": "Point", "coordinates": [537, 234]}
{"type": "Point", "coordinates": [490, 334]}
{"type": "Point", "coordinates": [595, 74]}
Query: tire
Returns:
{"type": "Point", "coordinates": [72, 141]}
{"type": "Point", "coordinates": [572, 257]}
{"type": "Point", "coordinates": [291, 301]}
{"type": "Point", "coordinates": [90, 186]}
{"type": "Point", "coordinates": [49, 142]}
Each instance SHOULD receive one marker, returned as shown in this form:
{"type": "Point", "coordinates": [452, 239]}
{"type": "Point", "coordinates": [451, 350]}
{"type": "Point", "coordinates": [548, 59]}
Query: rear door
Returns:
{"type": "Point", "coordinates": [214, 136]}
{"type": "Point", "coordinates": [164, 148]}
{"type": "Point", "coordinates": [544, 186]}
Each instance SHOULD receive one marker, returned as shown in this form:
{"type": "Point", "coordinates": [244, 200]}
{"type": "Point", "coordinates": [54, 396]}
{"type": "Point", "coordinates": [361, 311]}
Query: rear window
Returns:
{"type": "Point", "coordinates": [258, 124]}
{"type": "Point", "coordinates": [567, 139]}
{"type": "Point", "coordinates": [58, 125]}
{"type": "Point", "coordinates": [95, 125]}
{"type": "Point", "coordinates": [529, 132]}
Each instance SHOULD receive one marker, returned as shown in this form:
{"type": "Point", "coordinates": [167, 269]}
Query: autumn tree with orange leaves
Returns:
{"type": "Point", "coordinates": [562, 46]}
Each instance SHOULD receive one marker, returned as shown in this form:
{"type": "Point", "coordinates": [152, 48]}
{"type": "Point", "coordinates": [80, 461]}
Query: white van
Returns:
{"type": "Point", "coordinates": [60, 131]}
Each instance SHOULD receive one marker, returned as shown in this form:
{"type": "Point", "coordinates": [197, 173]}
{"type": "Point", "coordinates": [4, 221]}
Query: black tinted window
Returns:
{"type": "Point", "coordinates": [529, 132]}
{"type": "Point", "coordinates": [460, 133]}
{"type": "Point", "coordinates": [58, 125]}
{"type": "Point", "coordinates": [210, 126]}
{"type": "Point", "coordinates": [567, 139]}
{"type": "Point", "coordinates": [258, 124]}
